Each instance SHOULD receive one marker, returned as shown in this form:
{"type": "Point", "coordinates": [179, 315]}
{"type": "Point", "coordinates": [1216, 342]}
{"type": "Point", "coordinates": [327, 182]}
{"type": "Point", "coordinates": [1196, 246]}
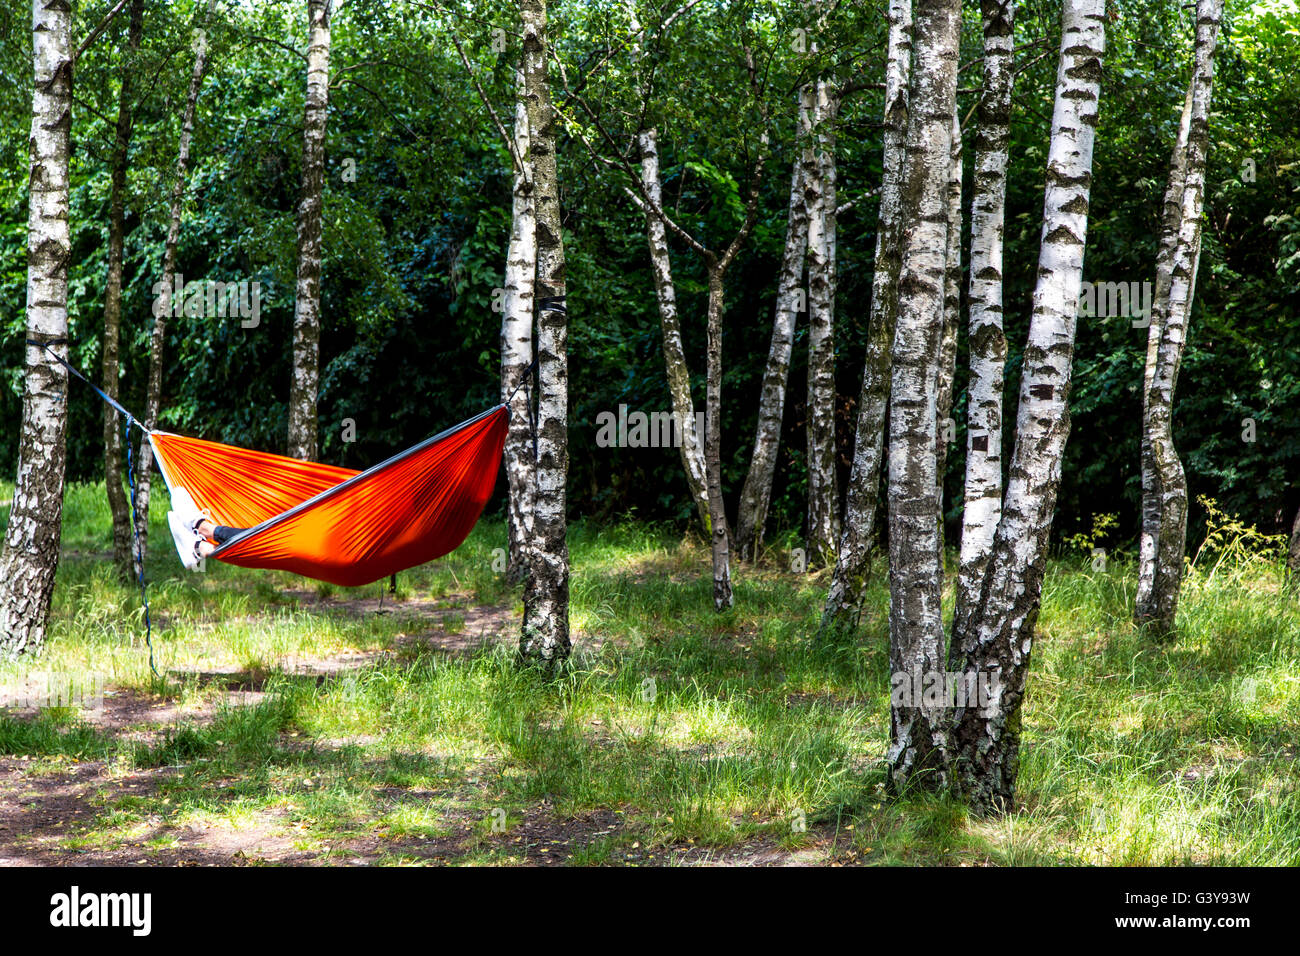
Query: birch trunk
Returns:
{"type": "Point", "coordinates": [158, 340]}
{"type": "Point", "coordinates": [844, 597]}
{"type": "Point", "coordinates": [951, 313]}
{"type": "Point", "coordinates": [545, 636]}
{"type": "Point", "coordinates": [756, 496]}
{"type": "Point", "coordinates": [679, 374]}
{"type": "Point", "coordinates": [1293, 554]}
{"type": "Point", "coordinates": [118, 505]}
{"type": "Point", "coordinates": [823, 489]}
{"type": "Point", "coordinates": [1167, 484]}
{"type": "Point", "coordinates": [305, 385]}
{"type": "Point", "coordinates": [1171, 219]}
{"type": "Point", "coordinates": [918, 755]}
{"type": "Point", "coordinates": [517, 352]}
{"type": "Point", "coordinates": [719, 538]}
{"type": "Point", "coordinates": [691, 444]}
{"type": "Point", "coordinates": [30, 556]}
{"type": "Point", "coordinates": [995, 642]}
{"type": "Point", "coordinates": [988, 344]}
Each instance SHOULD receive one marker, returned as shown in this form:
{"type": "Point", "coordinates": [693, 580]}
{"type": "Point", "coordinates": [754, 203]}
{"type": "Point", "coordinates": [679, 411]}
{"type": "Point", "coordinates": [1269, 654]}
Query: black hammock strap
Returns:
{"type": "Point", "coordinates": [112, 402]}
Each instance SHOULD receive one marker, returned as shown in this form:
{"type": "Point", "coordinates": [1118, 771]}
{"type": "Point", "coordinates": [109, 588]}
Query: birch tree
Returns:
{"type": "Point", "coordinates": [305, 383]}
{"type": "Point", "coordinates": [545, 636]}
{"type": "Point", "coordinates": [1164, 486]}
{"type": "Point", "coordinates": [756, 495]}
{"type": "Point", "coordinates": [823, 489]}
{"type": "Point", "coordinates": [691, 444]}
{"type": "Point", "coordinates": [517, 346]}
{"type": "Point", "coordinates": [30, 556]}
{"type": "Point", "coordinates": [951, 311]}
{"type": "Point", "coordinates": [844, 596]}
{"type": "Point", "coordinates": [988, 345]}
{"type": "Point", "coordinates": [918, 748]}
{"type": "Point", "coordinates": [118, 505]}
{"type": "Point", "coordinates": [158, 339]}
{"type": "Point", "coordinates": [994, 643]}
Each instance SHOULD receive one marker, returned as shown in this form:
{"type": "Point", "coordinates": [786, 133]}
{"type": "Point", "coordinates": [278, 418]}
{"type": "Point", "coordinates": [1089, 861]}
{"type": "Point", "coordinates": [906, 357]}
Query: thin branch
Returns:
{"type": "Point", "coordinates": [94, 34]}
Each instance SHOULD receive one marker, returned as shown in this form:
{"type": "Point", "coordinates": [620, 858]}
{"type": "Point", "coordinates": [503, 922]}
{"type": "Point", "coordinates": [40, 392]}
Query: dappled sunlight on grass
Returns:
{"type": "Point", "coordinates": [676, 731]}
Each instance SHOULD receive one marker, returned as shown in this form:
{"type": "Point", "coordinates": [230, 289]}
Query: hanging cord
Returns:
{"type": "Point", "coordinates": [128, 420]}
{"type": "Point", "coordinates": [530, 373]}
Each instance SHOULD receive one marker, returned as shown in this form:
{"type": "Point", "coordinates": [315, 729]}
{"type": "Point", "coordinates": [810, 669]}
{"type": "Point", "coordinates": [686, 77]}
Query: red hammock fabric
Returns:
{"type": "Point", "coordinates": [334, 524]}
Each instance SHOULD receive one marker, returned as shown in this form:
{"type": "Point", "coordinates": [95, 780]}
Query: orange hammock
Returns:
{"type": "Point", "coordinates": [335, 524]}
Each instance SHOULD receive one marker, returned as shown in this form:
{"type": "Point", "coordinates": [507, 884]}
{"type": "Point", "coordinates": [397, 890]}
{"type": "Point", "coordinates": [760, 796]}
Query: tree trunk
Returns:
{"type": "Point", "coordinates": [994, 644]}
{"type": "Point", "coordinates": [545, 636]}
{"type": "Point", "coordinates": [1171, 219]}
{"type": "Point", "coordinates": [30, 556]}
{"type": "Point", "coordinates": [305, 385]}
{"type": "Point", "coordinates": [158, 340]}
{"type": "Point", "coordinates": [679, 374]}
{"type": "Point", "coordinates": [918, 750]}
{"type": "Point", "coordinates": [517, 352]}
{"type": "Point", "coordinates": [118, 505]}
{"type": "Point", "coordinates": [1293, 556]}
{"type": "Point", "coordinates": [823, 489]}
{"type": "Point", "coordinates": [851, 560]}
{"type": "Point", "coordinates": [1167, 484]}
{"type": "Point", "coordinates": [988, 343]}
{"type": "Point", "coordinates": [722, 596]}
{"type": "Point", "coordinates": [756, 496]}
{"type": "Point", "coordinates": [951, 314]}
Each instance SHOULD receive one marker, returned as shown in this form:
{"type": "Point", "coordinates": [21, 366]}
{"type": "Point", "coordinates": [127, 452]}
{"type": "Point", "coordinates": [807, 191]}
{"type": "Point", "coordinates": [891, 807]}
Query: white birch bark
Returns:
{"type": "Point", "coordinates": [544, 639]}
{"type": "Point", "coordinates": [1168, 485]}
{"type": "Point", "coordinates": [30, 556]}
{"type": "Point", "coordinates": [158, 340]}
{"type": "Point", "coordinates": [691, 445]}
{"type": "Point", "coordinates": [918, 755]}
{"type": "Point", "coordinates": [988, 344]}
{"type": "Point", "coordinates": [756, 496]}
{"type": "Point", "coordinates": [844, 598]}
{"type": "Point", "coordinates": [951, 312]}
{"type": "Point", "coordinates": [823, 487]}
{"type": "Point", "coordinates": [305, 382]}
{"type": "Point", "coordinates": [996, 640]}
{"type": "Point", "coordinates": [517, 352]}
{"type": "Point", "coordinates": [679, 374]}
{"type": "Point", "coordinates": [1171, 219]}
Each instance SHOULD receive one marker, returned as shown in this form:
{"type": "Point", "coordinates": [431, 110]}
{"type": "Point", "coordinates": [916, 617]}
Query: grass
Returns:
{"type": "Point", "coordinates": [678, 734]}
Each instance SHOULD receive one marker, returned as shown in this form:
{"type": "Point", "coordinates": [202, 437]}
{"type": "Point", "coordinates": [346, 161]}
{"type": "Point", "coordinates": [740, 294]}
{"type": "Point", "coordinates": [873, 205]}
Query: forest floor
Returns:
{"type": "Point", "coordinates": [296, 724]}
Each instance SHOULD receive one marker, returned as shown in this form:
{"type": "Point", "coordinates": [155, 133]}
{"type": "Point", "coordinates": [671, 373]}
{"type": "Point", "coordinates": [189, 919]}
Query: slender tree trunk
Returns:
{"type": "Point", "coordinates": [517, 352]}
{"type": "Point", "coordinates": [988, 343]}
{"type": "Point", "coordinates": [722, 596]}
{"type": "Point", "coordinates": [951, 313]}
{"type": "Point", "coordinates": [545, 636]}
{"type": "Point", "coordinates": [756, 496]}
{"type": "Point", "coordinates": [994, 643]}
{"type": "Point", "coordinates": [823, 489]}
{"type": "Point", "coordinates": [305, 385]}
{"type": "Point", "coordinates": [918, 749]}
{"type": "Point", "coordinates": [690, 444]}
{"type": "Point", "coordinates": [118, 505]}
{"type": "Point", "coordinates": [844, 598]}
{"type": "Point", "coordinates": [158, 340]}
{"type": "Point", "coordinates": [1171, 219]}
{"type": "Point", "coordinates": [1168, 485]}
{"type": "Point", "coordinates": [679, 374]}
{"type": "Point", "coordinates": [1293, 555]}
{"type": "Point", "coordinates": [30, 556]}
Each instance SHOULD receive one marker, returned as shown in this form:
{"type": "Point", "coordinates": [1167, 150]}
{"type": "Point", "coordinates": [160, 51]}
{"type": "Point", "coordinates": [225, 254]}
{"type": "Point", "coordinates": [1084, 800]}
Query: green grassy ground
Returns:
{"type": "Point", "coordinates": [679, 735]}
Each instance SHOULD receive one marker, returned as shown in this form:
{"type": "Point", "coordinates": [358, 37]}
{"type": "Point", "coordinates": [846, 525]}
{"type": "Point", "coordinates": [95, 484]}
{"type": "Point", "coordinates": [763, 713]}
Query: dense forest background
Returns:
{"type": "Point", "coordinates": [417, 216]}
